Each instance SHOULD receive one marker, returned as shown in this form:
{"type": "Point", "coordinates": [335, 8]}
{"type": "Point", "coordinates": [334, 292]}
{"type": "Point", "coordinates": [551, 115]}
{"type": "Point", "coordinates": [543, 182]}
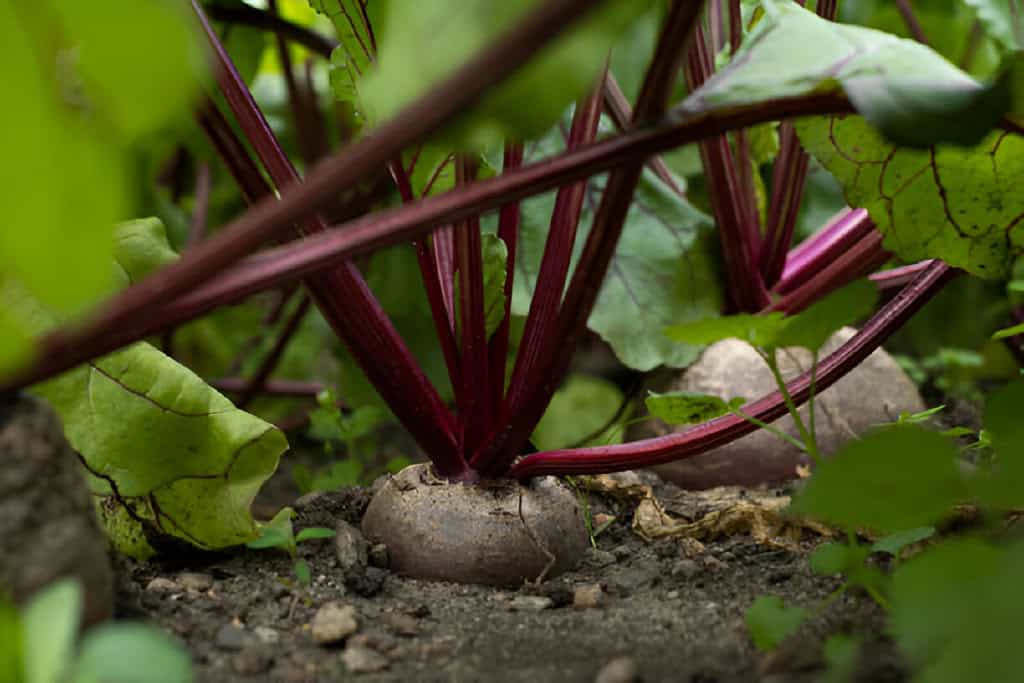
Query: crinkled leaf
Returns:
{"type": "Point", "coordinates": [770, 621]}
{"type": "Point", "coordinates": [904, 88]}
{"type": "Point", "coordinates": [128, 653]}
{"type": "Point", "coordinates": [812, 327]}
{"type": "Point", "coordinates": [684, 407]}
{"type": "Point", "coordinates": [141, 247]}
{"type": "Point", "coordinates": [162, 444]}
{"type": "Point", "coordinates": [663, 271]}
{"type": "Point", "coordinates": [1003, 21]}
{"type": "Point", "coordinates": [424, 42]}
{"type": "Point", "coordinates": [51, 623]}
{"type": "Point", "coordinates": [580, 408]}
{"type": "Point", "coordinates": [355, 22]}
{"type": "Point", "coordinates": [893, 479]}
{"type": "Point", "coordinates": [956, 610]}
{"type": "Point", "coordinates": [960, 205]}
{"type": "Point", "coordinates": [757, 330]}
{"type": "Point", "coordinates": [495, 259]}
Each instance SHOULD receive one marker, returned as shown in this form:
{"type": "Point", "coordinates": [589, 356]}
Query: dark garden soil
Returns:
{"type": "Point", "coordinates": [670, 609]}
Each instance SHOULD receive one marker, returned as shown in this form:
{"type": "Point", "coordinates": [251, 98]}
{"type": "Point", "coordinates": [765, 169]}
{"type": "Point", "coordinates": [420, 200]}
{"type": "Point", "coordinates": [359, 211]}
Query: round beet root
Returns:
{"type": "Point", "coordinates": [495, 533]}
{"type": "Point", "coordinates": [875, 392]}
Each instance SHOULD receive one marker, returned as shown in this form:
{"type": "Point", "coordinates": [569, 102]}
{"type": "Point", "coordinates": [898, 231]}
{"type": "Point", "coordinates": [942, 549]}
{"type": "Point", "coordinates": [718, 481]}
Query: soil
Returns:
{"type": "Point", "coordinates": [670, 609]}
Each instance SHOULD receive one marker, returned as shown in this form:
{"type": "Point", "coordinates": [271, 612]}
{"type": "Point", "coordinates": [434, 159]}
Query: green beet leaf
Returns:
{"type": "Point", "coordinates": [163, 446]}
{"type": "Point", "coordinates": [905, 89]}
{"type": "Point", "coordinates": [141, 247]}
{"type": "Point", "coordinates": [684, 407]}
{"type": "Point", "coordinates": [959, 205]}
{"type": "Point", "coordinates": [578, 410]}
{"type": "Point", "coordinates": [663, 270]}
{"type": "Point", "coordinates": [770, 621]}
{"type": "Point", "coordinates": [356, 23]}
{"type": "Point", "coordinates": [422, 43]}
{"type": "Point", "coordinates": [955, 610]}
{"type": "Point", "coordinates": [893, 479]}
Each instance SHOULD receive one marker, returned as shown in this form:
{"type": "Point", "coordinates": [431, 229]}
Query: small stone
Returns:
{"type": "Point", "coordinates": [685, 569]}
{"type": "Point", "coordinates": [559, 591]}
{"type": "Point", "coordinates": [333, 622]}
{"type": "Point", "coordinates": [266, 635]}
{"type": "Point", "coordinates": [366, 583]}
{"type": "Point", "coordinates": [530, 603]}
{"type": "Point", "coordinates": [672, 595]}
{"type": "Point", "coordinates": [402, 624]}
{"type": "Point", "coordinates": [587, 596]}
{"type": "Point", "coordinates": [195, 581]}
{"type": "Point", "coordinates": [621, 553]}
{"type": "Point", "coordinates": [252, 661]}
{"type": "Point", "coordinates": [602, 519]}
{"type": "Point", "coordinates": [619, 670]}
{"type": "Point", "coordinates": [350, 547]}
{"type": "Point", "coordinates": [162, 585]}
{"type": "Point", "coordinates": [363, 660]}
{"type": "Point", "coordinates": [714, 564]}
{"type": "Point", "coordinates": [232, 638]}
{"type": "Point", "coordinates": [599, 558]}
{"type": "Point", "coordinates": [379, 555]}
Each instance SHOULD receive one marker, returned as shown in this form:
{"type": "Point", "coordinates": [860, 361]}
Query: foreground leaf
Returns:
{"type": "Point", "coordinates": [1001, 484]}
{"type": "Point", "coordinates": [165, 449]}
{"type": "Point", "coordinates": [127, 653]}
{"type": "Point", "coordinates": [959, 205]}
{"type": "Point", "coordinates": [905, 89]}
{"type": "Point", "coordinates": [1001, 21]}
{"type": "Point", "coordinates": [770, 621]}
{"type": "Point", "coordinates": [757, 330]}
{"type": "Point", "coordinates": [894, 479]}
{"type": "Point", "coordinates": [812, 327]}
{"type": "Point", "coordinates": [51, 623]}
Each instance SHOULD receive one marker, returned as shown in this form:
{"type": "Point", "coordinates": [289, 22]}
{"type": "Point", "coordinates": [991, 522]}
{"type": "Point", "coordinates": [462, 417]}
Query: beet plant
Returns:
{"type": "Point", "coordinates": [443, 115]}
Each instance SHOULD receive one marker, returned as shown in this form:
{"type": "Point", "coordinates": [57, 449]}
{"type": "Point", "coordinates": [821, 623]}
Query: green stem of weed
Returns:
{"type": "Point", "coordinates": [810, 446]}
{"type": "Point", "coordinates": [774, 430]}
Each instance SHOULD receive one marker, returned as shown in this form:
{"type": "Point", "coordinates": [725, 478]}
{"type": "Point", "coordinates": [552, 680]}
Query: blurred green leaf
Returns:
{"type": "Point", "coordinates": [770, 621]}
{"type": "Point", "coordinates": [12, 665]}
{"type": "Point", "coordinates": [893, 479]}
{"type": "Point", "coordinates": [1002, 483]}
{"type": "Point", "coordinates": [894, 543]}
{"type": "Point", "coordinates": [128, 653]}
{"type": "Point", "coordinates": [51, 621]}
{"type": "Point", "coordinates": [841, 652]}
{"type": "Point", "coordinates": [829, 559]}
{"type": "Point", "coordinates": [424, 42]}
{"type": "Point", "coordinates": [684, 407]}
{"type": "Point", "coordinates": [812, 327]}
{"type": "Point", "coordinates": [1001, 21]}
{"type": "Point", "coordinates": [757, 330]}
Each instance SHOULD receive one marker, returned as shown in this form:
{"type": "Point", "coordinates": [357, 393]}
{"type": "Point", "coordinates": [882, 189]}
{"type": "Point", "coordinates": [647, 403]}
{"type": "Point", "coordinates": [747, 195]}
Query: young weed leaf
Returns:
{"type": "Point", "coordinates": [894, 543]}
{"type": "Point", "coordinates": [1001, 485]}
{"type": "Point", "coordinates": [277, 533]}
{"type": "Point", "coordinates": [684, 407]}
{"type": "Point", "coordinates": [314, 532]}
{"type": "Point", "coordinates": [770, 621]}
{"type": "Point", "coordinates": [891, 480]}
{"type": "Point", "coordinates": [812, 327]}
{"type": "Point", "coordinates": [757, 330]}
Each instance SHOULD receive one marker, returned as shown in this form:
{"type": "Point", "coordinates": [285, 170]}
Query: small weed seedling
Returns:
{"type": "Point", "coordinates": [278, 533]}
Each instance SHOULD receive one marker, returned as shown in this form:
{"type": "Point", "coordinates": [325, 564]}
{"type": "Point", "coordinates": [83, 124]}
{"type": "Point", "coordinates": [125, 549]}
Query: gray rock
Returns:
{"type": "Point", "coordinates": [875, 392]}
{"type": "Point", "coordinates": [530, 603]}
{"type": "Point", "coordinates": [162, 584]}
{"type": "Point", "coordinates": [350, 547]}
{"type": "Point", "coordinates": [333, 622]}
{"type": "Point", "coordinates": [232, 638]}
{"type": "Point", "coordinates": [194, 581]}
{"type": "Point", "coordinates": [619, 670]}
{"type": "Point", "coordinates": [48, 527]}
{"type": "Point", "coordinates": [685, 569]}
{"type": "Point", "coordinates": [266, 635]}
{"type": "Point", "coordinates": [363, 660]}
{"type": "Point", "coordinates": [587, 596]}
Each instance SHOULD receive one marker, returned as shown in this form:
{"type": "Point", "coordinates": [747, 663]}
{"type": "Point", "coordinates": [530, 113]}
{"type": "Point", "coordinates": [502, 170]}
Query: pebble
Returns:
{"type": "Point", "coordinates": [672, 595]}
{"type": "Point", "coordinates": [402, 624]}
{"type": "Point", "coordinates": [685, 569]}
{"type": "Point", "coordinates": [601, 519]}
{"type": "Point", "coordinates": [252, 661]}
{"type": "Point", "coordinates": [530, 603]}
{"type": "Point", "coordinates": [714, 563]}
{"type": "Point", "coordinates": [232, 638]}
{"type": "Point", "coordinates": [587, 596]}
{"type": "Point", "coordinates": [266, 635]}
{"type": "Point", "coordinates": [379, 556]}
{"type": "Point", "coordinates": [333, 622]}
{"type": "Point", "coordinates": [599, 558]}
{"type": "Point", "coordinates": [619, 670]}
{"type": "Point", "coordinates": [350, 547]}
{"type": "Point", "coordinates": [363, 660]}
{"type": "Point", "coordinates": [195, 581]}
{"type": "Point", "coordinates": [162, 585]}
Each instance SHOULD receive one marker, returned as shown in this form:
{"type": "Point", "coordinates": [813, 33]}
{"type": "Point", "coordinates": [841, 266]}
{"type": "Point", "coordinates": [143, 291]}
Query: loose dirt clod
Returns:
{"type": "Point", "coordinates": [502, 534]}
